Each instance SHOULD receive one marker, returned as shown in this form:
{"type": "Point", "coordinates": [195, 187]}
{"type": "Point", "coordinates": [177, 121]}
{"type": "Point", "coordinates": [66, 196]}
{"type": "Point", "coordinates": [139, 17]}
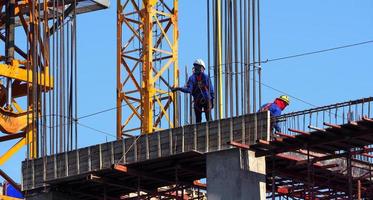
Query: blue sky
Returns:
{"type": "Point", "coordinates": [288, 27]}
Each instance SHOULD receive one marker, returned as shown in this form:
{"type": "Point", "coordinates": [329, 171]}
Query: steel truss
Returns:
{"type": "Point", "coordinates": [147, 65]}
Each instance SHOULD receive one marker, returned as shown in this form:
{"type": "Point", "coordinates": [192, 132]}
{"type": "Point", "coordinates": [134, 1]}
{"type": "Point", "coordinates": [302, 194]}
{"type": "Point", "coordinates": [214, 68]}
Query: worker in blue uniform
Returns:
{"type": "Point", "coordinates": [275, 110]}
{"type": "Point", "coordinates": [200, 87]}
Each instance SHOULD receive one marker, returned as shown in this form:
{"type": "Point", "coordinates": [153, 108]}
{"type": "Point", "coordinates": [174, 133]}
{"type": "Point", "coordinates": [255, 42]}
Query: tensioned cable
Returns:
{"type": "Point", "coordinates": [83, 125]}
{"type": "Point", "coordinates": [102, 111]}
{"type": "Point", "coordinates": [285, 93]}
{"type": "Point", "coordinates": [95, 129]}
{"type": "Point", "coordinates": [300, 55]}
{"type": "Point", "coordinates": [317, 52]}
{"type": "Point", "coordinates": [266, 85]}
{"type": "Point", "coordinates": [265, 61]}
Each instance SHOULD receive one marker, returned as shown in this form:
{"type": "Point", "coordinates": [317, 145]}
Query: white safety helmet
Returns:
{"type": "Point", "coordinates": [200, 63]}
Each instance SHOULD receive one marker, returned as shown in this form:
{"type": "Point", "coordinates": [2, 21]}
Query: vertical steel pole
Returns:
{"type": "Point", "coordinates": [259, 57]}
{"type": "Point", "coordinates": [349, 174]}
{"type": "Point", "coordinates": [34, 68]}
{"type": "Point", "coordinates": [119, 82]}
{"type": "Point", "coordinates": [186, 110]}
{"type": "Point", "coordinates": [359, 189]}
{"type": "Point", "coordinates": [241, 61]}
{"type": "Point", "coordinates": [219, 58]}
{"type": "Point", "coordinates": [254, 54]}
{"type": "Point", "coordinates": [230, 56]}
{"type": "Point", "coordinates": [225, 53]}
{"type": "Point", "coordinates": [245, 82]}
{"type": "Point", "coordinates": [273, 178]}
{"type": "Point", "coordinates": [9, 44]}
{"type": "Point", "coordinates": [236, 56]}
{"type": "Point", "coordinates": [147, 90]}
{"type": "Point", "coordinates": [308, 173]}
{"type": "Point", "coordinates": [175, 22]}
{"type": "Point", "coordinates": [248, 56]}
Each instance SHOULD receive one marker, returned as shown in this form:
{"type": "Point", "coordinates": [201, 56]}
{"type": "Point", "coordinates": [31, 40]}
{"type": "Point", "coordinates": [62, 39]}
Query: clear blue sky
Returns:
{"type": "Point", "coordinates": [288, 27]}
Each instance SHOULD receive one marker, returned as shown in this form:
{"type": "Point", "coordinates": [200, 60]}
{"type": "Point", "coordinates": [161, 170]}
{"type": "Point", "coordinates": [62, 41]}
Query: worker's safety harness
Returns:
{"type": "Point", "coordinates": [199, 88]}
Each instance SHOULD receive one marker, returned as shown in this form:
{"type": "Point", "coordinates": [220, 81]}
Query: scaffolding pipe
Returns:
{"type": "Point", "coordinates": [10, 180]}
{"type": "Point", "coordinates": [9, 45]}
{"type": "Point", "coordinates": [219, 58]}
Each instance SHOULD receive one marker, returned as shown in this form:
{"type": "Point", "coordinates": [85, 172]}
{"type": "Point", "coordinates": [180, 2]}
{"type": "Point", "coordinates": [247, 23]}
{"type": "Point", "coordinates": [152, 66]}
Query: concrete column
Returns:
{"type": "Point", "coordinates": [235, 174]}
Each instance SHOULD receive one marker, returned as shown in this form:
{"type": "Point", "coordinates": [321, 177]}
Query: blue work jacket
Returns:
{"type": "Point", "coordinates": [201, 88]}
{"type": "Point", "coordinates": [275, 112]}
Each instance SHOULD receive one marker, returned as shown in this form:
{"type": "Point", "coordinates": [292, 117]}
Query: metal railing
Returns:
{"type": "Point", "coordinates": [337, 114]}
{"type": "Point", "coordinates": [313, 119]}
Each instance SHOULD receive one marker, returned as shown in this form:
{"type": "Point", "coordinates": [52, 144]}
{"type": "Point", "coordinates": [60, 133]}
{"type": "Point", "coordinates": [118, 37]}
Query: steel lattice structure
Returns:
{"type": "Point", "coordinates": [37, 67]}
{"type": "Point", "coordinates": [26, 71]}
{"type": "Point", "coordinates": [147, 64]}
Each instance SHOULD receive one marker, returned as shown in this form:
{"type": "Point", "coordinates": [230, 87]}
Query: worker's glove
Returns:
{"type": "Point", "coordinates": [174, 89]}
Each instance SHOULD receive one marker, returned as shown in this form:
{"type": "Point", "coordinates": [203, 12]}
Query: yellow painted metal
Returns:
{"type": "Point", "coordinates": [175, 52]}
{"type": "Point", "coordinates": [12, 123]}
{"type": "Point", "coordinates": [139, 70]}
{"type": "Point", "coordinates": [4, 197]}
{"type": "Point", "coordinates": [15, 72]}
{"type": "Point", "coordinates": [147, 87]}
{"type": "Point", "coordinates": [119, 66]}
{"type": "Point", "coordinates": [16, 147]}
{"type": "Point", "coordinates": [219, 60]}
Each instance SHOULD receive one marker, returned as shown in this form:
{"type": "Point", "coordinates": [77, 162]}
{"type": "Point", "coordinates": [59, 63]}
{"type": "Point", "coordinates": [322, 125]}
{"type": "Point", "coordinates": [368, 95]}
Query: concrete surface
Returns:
{"type": "Point", "coordinates": [235, 174]}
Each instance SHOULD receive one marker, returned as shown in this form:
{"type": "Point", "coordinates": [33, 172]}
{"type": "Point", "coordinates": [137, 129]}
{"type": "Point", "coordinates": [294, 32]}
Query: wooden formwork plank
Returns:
{"type": "Point", "coordinates": [203, 137]}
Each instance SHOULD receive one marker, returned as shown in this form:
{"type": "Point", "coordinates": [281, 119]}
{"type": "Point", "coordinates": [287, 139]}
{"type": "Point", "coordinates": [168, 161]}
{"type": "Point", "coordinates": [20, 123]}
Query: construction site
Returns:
{"type": "Point", "coordinates": [207, 130]}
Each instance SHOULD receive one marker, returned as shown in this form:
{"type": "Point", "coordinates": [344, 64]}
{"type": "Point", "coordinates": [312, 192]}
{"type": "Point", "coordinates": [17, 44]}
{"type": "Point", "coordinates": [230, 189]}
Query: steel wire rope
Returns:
{"type": "Point", "coordinates": [266, 85]}
{"type": "Point", "coordinates": [299, 55]}
{"type": "Point", "coordinates": [318, 51]}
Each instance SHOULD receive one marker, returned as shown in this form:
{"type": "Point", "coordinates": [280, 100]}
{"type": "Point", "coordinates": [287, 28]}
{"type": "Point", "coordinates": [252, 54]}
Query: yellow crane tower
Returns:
{"type": "Point", "coordinates": [147, 50]}
{"type": "Point", "coordinates": [27, 72]}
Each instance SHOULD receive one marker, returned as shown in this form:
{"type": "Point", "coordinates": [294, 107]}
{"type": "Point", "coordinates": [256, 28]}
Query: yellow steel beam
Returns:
{"type": "Point", "coordinates": [134, 110]}
{"type": "Point", "coordinates": [164, 112]}
{"type": "Point", "coordinates": [15, 72]}
{"type": "Point", "coordinates": [119, 61]}
{"type": "Point", "coordinates": [30, 139]}
{"type": "Point", "coordinates": [145, 18]}
{"type": "Point", "coordinates": [17, 106]}
{"type": "Point", "coordinates": [15, 148]}
{"type": "Point", "coordinates": [166, 66]}
{"type": "Point", "coordinates": [130, 117]}
{"type": "Point", "coordinates": [163, 32]}
{"type": "Point", "coordinates": [4, 197]}
{"type": "Point", "coordinates": [175, 23]}
{"type": "Point", "coordinates": [147, 90]}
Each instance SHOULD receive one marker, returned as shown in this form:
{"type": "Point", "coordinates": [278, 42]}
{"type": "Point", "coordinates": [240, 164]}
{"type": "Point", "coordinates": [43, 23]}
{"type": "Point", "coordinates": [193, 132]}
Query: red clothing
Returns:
{"type": "Point", "coordinates": [280, 103]}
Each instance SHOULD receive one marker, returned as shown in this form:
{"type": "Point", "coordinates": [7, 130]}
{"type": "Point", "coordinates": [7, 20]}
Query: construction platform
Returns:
{"type": "Point", "coordinates": [322, 153]}
{"type": "Point", "coordinates": [332, 161]}
{"type": "Point", "coordinates": [144, 163]}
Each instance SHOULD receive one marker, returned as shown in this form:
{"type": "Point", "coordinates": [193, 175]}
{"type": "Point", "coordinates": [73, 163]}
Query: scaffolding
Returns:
{"type": "Point", "coordinates": [321, 153]}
